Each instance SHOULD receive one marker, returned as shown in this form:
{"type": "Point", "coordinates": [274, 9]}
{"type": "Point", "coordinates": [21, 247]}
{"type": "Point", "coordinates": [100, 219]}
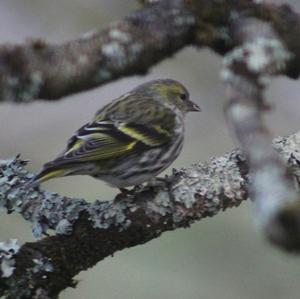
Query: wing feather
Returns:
{"type": "Point", "coordinates": [149, 135]}
{"type": "Point", "coordinates": [107, 139]}
{"type": "Point", "coordinates": [97, 141]}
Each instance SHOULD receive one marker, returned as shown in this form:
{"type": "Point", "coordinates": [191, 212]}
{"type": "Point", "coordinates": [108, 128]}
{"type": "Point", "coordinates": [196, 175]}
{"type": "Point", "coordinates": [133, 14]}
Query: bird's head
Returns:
{"type": "Point", "coordinates": [172, 93]}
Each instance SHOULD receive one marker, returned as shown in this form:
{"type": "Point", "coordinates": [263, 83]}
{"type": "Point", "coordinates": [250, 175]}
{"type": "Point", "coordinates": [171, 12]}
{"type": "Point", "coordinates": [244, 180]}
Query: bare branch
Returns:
{"type": "Point", "coordinates": [131, 46]}
{"type": "Point", "coordinates": [87, 233]}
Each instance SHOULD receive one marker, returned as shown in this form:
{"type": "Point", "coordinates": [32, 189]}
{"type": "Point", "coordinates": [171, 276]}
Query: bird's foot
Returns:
{"type": "Point", "coordinates": [163, 183]}
{"type": "Point", "coordinates": [124, 194]}
{"type": "Point", "coordinates": [159, 182]}
{"type": "Point", "coordinates": [125, 191]}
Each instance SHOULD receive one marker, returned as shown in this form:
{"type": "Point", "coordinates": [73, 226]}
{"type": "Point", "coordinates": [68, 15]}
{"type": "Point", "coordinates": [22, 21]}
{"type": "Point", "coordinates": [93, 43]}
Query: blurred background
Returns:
{"type": "Point", "coordinates": [221, 257]}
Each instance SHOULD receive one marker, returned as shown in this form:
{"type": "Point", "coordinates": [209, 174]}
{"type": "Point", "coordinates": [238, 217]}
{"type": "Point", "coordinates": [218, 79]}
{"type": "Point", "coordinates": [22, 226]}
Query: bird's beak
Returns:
{"type": "Point", "coordinates": [194, 107]}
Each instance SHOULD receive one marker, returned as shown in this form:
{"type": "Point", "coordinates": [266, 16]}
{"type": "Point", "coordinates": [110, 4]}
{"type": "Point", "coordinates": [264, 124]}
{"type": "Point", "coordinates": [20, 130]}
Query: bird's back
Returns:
{"type": "Point", "coordinates": [128, 141]}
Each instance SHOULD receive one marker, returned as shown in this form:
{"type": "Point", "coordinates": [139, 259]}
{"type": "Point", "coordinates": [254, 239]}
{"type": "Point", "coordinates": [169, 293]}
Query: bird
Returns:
{"type": "Point", "coordinates": [130, 140]}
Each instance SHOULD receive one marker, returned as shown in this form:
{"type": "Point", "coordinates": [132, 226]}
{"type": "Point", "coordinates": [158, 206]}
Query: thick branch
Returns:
{"type": "Point", "coordinates": [128, 47]}
{"type": "Point", "coordinates": [246, 71]}
{"type": "Point", "coordinates": [91, 232]}
{"type": "Point", "coordinates": [131, 46]}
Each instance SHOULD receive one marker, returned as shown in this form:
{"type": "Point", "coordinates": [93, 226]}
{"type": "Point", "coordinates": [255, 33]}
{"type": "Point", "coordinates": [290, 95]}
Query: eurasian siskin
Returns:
{"type": "Point", "coordinates": [130, 140]}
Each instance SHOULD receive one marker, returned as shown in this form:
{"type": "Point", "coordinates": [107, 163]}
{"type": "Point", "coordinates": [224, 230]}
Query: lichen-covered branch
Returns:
{"type": "Point", "coordinates": [128, 47]}
{"type": "Point", "coordinates": [247, 70]}
{"type": "Point", "coordinates": [38, 69]}
{"type": "Point", "coordinates": [89, 232]}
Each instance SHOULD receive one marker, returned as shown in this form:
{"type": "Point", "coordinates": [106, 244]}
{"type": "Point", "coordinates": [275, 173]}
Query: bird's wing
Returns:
{"type": "Point", "coordinates": [148, 134]}
{"type": "Point", "coordinates": [106, 139]}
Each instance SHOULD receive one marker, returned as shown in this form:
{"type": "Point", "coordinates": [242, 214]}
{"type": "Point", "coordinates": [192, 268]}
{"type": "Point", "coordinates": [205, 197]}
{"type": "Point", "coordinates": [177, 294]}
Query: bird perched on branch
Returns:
{"type": "Point", "coordinates": [130, 140]}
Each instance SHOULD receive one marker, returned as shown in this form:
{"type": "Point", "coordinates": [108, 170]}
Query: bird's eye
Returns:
{"type": "Point", "coordinates": [183, 96]}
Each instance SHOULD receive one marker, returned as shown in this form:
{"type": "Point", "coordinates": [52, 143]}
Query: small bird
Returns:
{"type": "Point", "coordinates": [130, 140]}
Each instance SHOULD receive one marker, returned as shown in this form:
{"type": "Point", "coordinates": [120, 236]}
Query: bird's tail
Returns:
{"type": "Point", "coordinates": [45, 175]}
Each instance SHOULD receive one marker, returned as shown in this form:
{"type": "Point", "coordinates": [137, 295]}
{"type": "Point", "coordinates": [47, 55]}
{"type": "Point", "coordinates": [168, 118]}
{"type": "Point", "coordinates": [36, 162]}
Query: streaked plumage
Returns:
{"type": "Point", "coordinates": [130, 140]}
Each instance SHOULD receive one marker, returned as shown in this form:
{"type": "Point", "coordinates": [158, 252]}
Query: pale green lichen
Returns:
{"type": "Point", "coordinates": [160, 205]}
{"type": "Point", "coordinates": [273, 197]}
{"type": "Point", "coordinates": [266, 53]}
{"type": "Point", "coordinates": [42, 264]}
{"type": "Point", "coordinates": [134, 50]}
{"type": "Point", "coordinates": [49, 210]}
{"type": "Point", "coordinates": [8, 249]}
{"type": "Point", "coordinates": [44, 209]}
{"type": "Point", "coordinates": [103, 75]}
{"type": "Point", "coordinates": [112, 50]}
{"type": "Point", "coordinates": [64, 227]}
{"type": "Point", "coordinates": [225, 34]}
{"type": "Point", "coordinates": [226, 74]}
{"type": "Point", "coordinates": [208, 183]}
{"type": "Point", "coordinates": [184, 20]}
{"type": "Point", "coordinates": [31, 89]}
{"type": "Point", "coordinates": [240, 111]}
{"type": "Point", "coordinates": [12, 81]}
{"type": "Point", "coordinates": [120, 54]}
{"type": "Point", "coordinates": [120, 35]}
{"type": "Point", "coordinates": [83, 59]}
{"type": "Point", "coordinates": [88, 35]}
{"type": "Point", "coordinates": [289, 149]}
{"type": "Point", "coordinates": [262, 55]}
{"type": "Point", "coordinates": [107, 214]}
{"type": "Point", "coordinates": [20, 90]}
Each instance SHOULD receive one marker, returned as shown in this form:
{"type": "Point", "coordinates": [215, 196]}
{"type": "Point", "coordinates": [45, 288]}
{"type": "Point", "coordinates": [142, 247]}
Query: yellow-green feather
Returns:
{"type": "Point", "coordinates": [50, 175]}
{"type": "Point", "coordinates": [145, 138]}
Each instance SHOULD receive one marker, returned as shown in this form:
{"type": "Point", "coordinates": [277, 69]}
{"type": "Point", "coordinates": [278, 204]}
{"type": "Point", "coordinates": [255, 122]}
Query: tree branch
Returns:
{"type": "Point", "coordinates": [131, 46]}
{"type": "Point", "coordinates": [247, 70]}
{"type": "Point", "coordinates": [89, 232]}
{"type": "Point", "coordinates": [128, 47]}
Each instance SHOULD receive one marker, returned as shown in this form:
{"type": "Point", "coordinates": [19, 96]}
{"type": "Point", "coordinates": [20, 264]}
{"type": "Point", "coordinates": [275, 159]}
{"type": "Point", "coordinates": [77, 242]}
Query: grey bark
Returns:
{"type": "Point", "coordinates": [89, 232]}
{"type": "Point", "coordinates": [41, 70]}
